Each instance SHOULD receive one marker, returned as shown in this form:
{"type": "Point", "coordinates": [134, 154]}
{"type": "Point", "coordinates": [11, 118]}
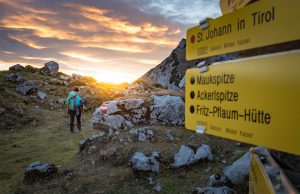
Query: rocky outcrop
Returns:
{"type": "Point", "coordinates": [140, 162]}
{"type": "Point", "coordinates": [16, 67]}
{"type": "Point", "coordinates": [15, 78]}
{"type": "Point", "coordinates": [27, 87]}
{"type": "Point", "coordinates": [39, 171]}
{"type": "Point", "coordinates": [123, 114]}
{"type": "Point", "coordinates": [170, 73]}
{"type": "Point", "coordinates": [50, 68]}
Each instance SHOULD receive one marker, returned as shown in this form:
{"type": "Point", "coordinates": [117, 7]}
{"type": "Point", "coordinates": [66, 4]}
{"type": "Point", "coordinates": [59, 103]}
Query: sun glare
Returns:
{"type": "Point", "coordinates": [115, 78]}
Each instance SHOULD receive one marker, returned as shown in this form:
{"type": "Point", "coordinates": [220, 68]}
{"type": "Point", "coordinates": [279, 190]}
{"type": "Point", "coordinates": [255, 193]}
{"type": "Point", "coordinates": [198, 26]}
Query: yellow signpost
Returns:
{"type": "Point", "coordinates": [259, 180]}
{"type": "Point", "coordinates": [256, 101]}
{"type": "Point", "coordinates": [262, 23]}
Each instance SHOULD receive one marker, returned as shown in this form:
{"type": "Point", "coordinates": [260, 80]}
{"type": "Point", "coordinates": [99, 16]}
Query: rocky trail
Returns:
{"type": "Point", "coordinates": [138, 145]}
{"type": "Point", "coordinates": [104, 166]}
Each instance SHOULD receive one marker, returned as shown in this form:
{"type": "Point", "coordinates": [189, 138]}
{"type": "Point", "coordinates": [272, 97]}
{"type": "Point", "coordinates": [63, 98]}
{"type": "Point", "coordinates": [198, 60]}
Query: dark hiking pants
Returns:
{"type": "Point", "coordinates": [72, 118]}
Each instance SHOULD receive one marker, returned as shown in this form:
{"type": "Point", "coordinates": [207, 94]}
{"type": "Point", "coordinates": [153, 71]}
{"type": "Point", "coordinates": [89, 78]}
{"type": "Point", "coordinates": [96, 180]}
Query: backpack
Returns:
{"type": "Point", "coordinates": [74, 103]}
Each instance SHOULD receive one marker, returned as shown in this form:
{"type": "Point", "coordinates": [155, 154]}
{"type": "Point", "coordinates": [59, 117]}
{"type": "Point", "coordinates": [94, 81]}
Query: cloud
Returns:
{"type": "Point", "coordinates": [182, 11]}
{"type": "Point", "coordinates": [122, 38]}
{"type": "Point", "coordinates": [27, 42]}
{"type": "Point", "coordinates": [81, 56]}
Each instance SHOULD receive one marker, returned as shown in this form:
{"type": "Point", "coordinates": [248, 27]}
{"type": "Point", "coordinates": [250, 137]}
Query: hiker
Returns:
{"type": "Point", "coordinates": [75, 105]}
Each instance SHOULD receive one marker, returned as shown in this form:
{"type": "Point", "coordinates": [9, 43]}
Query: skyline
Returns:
{"type": "Point", "coordinates": [113, 41]}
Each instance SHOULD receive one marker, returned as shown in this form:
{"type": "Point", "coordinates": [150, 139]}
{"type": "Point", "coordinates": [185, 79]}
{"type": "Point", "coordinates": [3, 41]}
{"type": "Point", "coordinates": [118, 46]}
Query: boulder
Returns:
{"type": "Point", "coordinates": [238, 172]}
{"type": "Point", "coordinates": [214, 190]}
{"type": "Point", "coordinates": [203, 152]}
{"type": "Point", "coordinates": [50, 68]}
{"type": "Point", "coordinates": [15, 78]}
{"type": "Point", "coordinates": [168, 109]}
{"type": "Point", "coordinates": [39, 171]}
{"type": "Point", "coordinates": [186, 155]}
{"type": "Point", "coordinates": [123, 114]}
{"type": "Point", "coordinates": [16, 67]}
{"type": "Point", "coordinates": [140, 162]}
{"type": "Point", "coordinates": [183, 156]}
{"type": "Point", "coordinates": [27, 87]}
{"type": "Point", "coordinates": [41, 95]}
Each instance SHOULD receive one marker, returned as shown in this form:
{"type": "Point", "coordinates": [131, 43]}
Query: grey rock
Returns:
{"type": "Point", "coordinates": [186, 155]}
{"type": "Point", "coordinates": [64, 78]}
{"type": "Point", "coordinates": [238, 172]}
{"type": "Point", "coordinates": [213, 190]}
{"type": "Point", "coordinates": [20, 79]}
{"type": "Point", "coordinates": [127, 125]}
{"type": "Point", "coordinates": [183, 156]}
{"type": "Point", "coordinates": [60, 101]}
{"type": "Point", "coordinates": [116, 121]}
{"type": "Point", "coordinates": [2, 110]}
{"type": "Point", "coordinates": [182, 83]}
{"type": "Point", "coordinates": [16, 67]}
{"type": "Point", "coordinates": [39, 171]}
{"type": "Point", "coordinates": [168, 109]}
{"type": "Point", "coordinates": [140, 162]}
{"type": "Point", "coordinates": [86, 142]}
{"type": "Point", "coordinates": [224, 161]}
{"type": "Point", "coordinates": [112, 107]}
{"type": "Point", "coordinates": [133, 103]}
{"type": "Point", "coordinates": [144, 134]}
{"type": "Point", "coordinates": [150, 180]}
{"type": "Point", "coordinates": [203, 152]}
{"type": "Point", "coordinates": [27, 87]}
{"type": "Point", "coordinates": [11, 77]}
{"type": "Point", "coordinates": [76, 76]}
{"type": "Point", "coordinates": [170, 135]}
{"type": "Point", "coordinates": [157, 188]}
{"type": "Point", "coordinates": [42, 95]}
{"type": "Point", "coordinates": [215, 180]}
{"type": "Point", "coordinates": [50, 68]}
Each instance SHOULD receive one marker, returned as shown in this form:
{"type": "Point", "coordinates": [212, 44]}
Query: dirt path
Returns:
{"type": "Point", "coordinates": [51, 141]}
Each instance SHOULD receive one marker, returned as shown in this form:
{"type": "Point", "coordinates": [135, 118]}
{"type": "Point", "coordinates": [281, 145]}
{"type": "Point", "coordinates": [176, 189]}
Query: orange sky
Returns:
{"type": "Point", "coordinates": [113, 41]}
